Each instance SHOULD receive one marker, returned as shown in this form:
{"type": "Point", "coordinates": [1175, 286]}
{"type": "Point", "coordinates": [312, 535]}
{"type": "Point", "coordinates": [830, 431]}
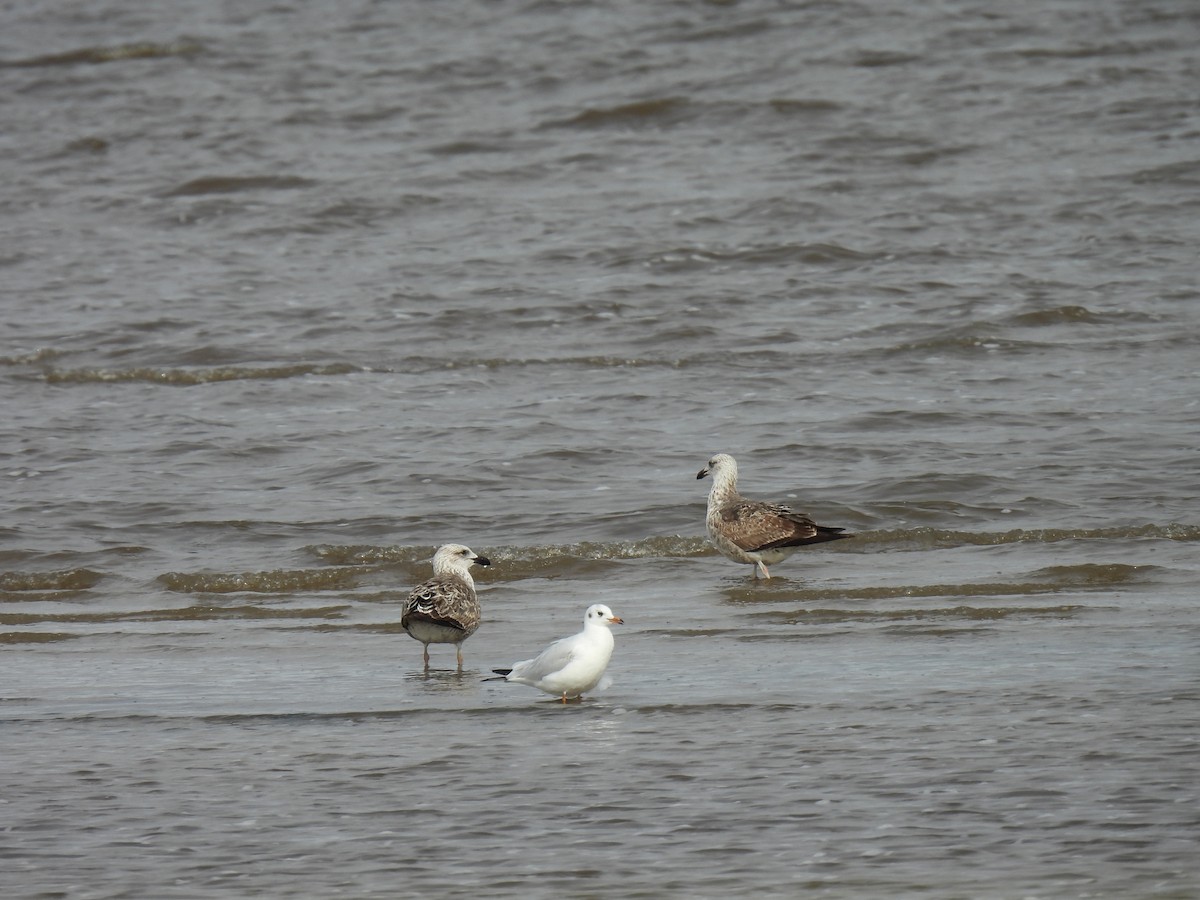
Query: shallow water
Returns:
{"type": "Point", "coordinates": [294, 296]}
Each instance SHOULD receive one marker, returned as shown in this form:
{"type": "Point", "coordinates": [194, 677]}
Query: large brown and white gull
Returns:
{"type": "Point", "coordinates": [750, 531]}
{"type": "Point", "coordinates": [444, 609]}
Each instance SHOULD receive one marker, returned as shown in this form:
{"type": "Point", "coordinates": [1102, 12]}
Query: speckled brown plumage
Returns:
{"type": "Point", "coordinates": [445, 609]}
{"type": "Point", "coordinates": [751, 531]}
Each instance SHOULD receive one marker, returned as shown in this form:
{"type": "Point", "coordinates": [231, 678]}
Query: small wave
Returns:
{"type": "Point", "coordinates": [725, 31]}
{"type": "Point", "coordinates": [657, 111]}
{"type": "Point", "coordinates": [968, 613]}
{"type": "Point", "coordinates": [229, 184]}
{"type": "Point", "coordinates": [204, 613]}
{"type": "Point", "coordinates": [585, 557]}
{"type": "Point", "coordinates": [806, 253]}
{"type": "Point", "coordinates": [34, 637]}
{"type": "Point", "coordinates": [748, 596]}
{"type": "Point", "coordinates": [37, 357]}
{"type": "Point", "coordinates": [1078, 51]}
{"type": "Point", "coordinates": [199, 613]}
{"type": "Point", "coordinates": [682, 546]}
{"type": "Point", "coordinates": [191, 377]}
{"type": "Point", "coordinates": [876, 59]}
{"type": "Point", "coordinates": [530, 556]}
{"type": "Point", "coordinates": [790, 107]}
{"type": "Point", "coordinates": [648, 548]}
{"type": "Point", "coordinates": [280, 581]}
{"type": "Point", "coordinates": [421, 365]}
{"type": "Point", "coordinates": [85, 146]}
{"type": "Point", "coordinates": [98, 55]}
{"type": "Point", "coordinates": [663, 112]}
{"type": "Point", "coordinates": [1060, 315]}
{"type": "Point", "coordinates": [1183, 173]}
{"type": "Point", "coordinates": [938, 538]}
{"type": "Point", "coordinates": [352, 213]}
{"type": "Point", "coordinates": [1090, 574]}
{"type": "Point", "coordinates": [684, 258]}
{"type": "Point", "coordinates": [467, 148]}
{"type": "Point", "coordinates": [65, 580]}
{"type": "Point", "coordinates": [964, 343]}
{"type": "Point", "coordinates": [1076, 315]}
{"type": "Point", "coordinates": [1009, 333]}
{"type": "Point", "coordinates": [1084, 578]}
{"type": "Point", "coordinates": [367, 554]}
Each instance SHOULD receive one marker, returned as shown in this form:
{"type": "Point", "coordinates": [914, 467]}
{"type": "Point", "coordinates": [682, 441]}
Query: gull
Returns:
{"type": "Point", "coordinates": [444, 609]}
{"type": "Point", "coordinates": [573, 664]}
{"type": "Point", "coordinates": [750, 531]}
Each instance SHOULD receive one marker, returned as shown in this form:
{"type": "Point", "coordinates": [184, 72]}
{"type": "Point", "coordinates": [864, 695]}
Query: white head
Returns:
{"type": "Point", "coordinates": [455, 559]}
{"type": "Point", "coordinates": [722, 467]}
{"type": "Point", "coordinates": [599, 614]}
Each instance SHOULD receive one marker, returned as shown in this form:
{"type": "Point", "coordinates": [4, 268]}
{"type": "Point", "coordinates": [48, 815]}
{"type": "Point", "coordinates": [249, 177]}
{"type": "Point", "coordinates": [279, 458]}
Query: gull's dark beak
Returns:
{"type": "Point", "coordinates": [482, 561]}
{"type": "Point", "coordinates": [702, 473]}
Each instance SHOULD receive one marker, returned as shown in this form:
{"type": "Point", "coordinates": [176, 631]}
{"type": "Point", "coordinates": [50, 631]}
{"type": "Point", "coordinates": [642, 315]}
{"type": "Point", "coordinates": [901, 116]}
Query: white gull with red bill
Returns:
{"type": "Point", "coordinates": [574, 664]}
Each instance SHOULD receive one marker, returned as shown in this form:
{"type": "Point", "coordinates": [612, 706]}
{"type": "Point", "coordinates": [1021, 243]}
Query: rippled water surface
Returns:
{"type": "Point", "coordinates": [295, 293]}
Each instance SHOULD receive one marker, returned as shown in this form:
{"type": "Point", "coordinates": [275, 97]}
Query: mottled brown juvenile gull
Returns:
{"type": "Point", "coordinates": [444, 609]}
{"type": "Point", "coordinates": [573, 664]}
{"type": "Point", "coordinates": [750, 531]}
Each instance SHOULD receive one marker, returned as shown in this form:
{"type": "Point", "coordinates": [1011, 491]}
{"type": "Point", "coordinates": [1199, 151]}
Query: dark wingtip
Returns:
{"type": "Point", "coordinates": [830, 534]}
{"type": "Point", "coordinates": [501, 671]}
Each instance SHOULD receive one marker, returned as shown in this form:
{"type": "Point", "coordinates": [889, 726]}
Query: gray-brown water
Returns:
{"type": "Point", "coordinates": [295, 292]}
